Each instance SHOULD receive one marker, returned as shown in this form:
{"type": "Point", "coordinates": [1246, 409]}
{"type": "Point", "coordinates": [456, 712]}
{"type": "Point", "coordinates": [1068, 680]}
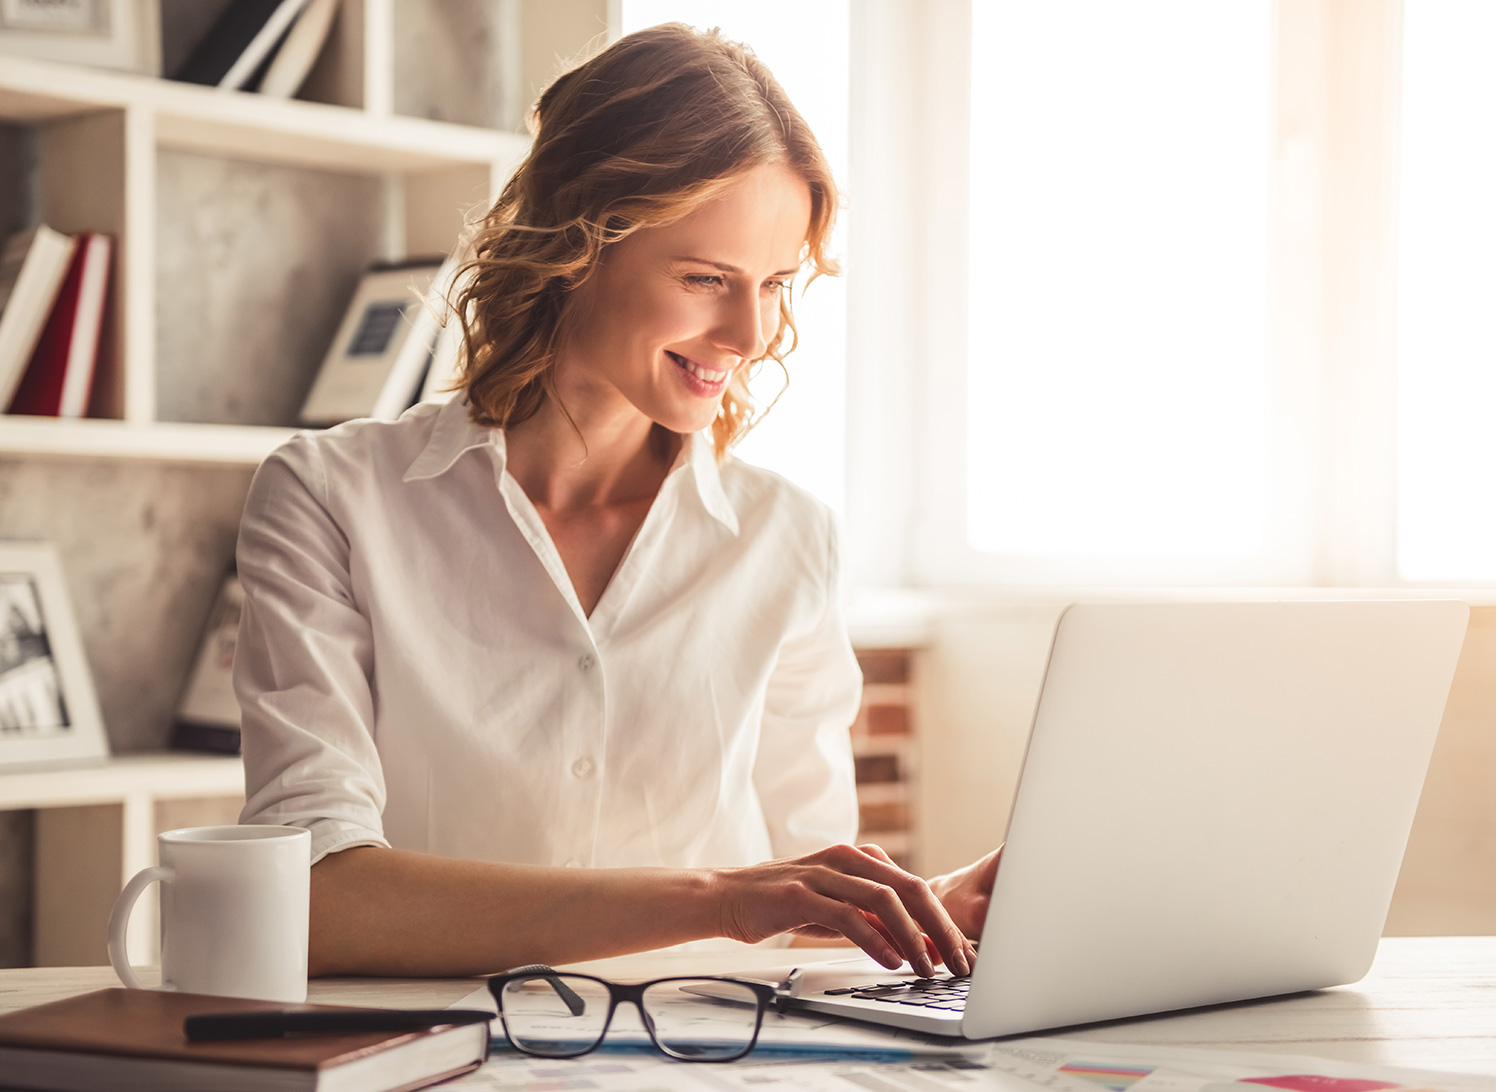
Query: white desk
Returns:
{"type": "Point", "coordinates": [1429, 1003]}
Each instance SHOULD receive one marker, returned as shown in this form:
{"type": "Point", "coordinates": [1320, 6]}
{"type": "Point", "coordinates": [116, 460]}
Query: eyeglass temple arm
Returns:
{"type": "Point", "coordinates": [787, 989]}
{"type": "Point", "coordinates": [563, 991]}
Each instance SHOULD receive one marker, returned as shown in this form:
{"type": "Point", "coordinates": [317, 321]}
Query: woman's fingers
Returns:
{"type": "Point", "coordinates": [902, 902]}
{"type": "Point", "coordinates": [871, 900]}
{"type": "Point", "coordinates": [878, 851]}
{"type": "Point", "coordinates": [916, 900]}
{"type": "Point", "coordinates": [855, 926]}
{"type": "Point", "coordinates": [858, 892]}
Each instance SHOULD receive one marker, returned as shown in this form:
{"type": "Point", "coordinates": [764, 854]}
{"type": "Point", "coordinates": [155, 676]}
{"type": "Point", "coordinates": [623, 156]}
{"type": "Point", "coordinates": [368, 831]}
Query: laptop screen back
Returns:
{"type": "Point", "coordinates": [1213, 806]}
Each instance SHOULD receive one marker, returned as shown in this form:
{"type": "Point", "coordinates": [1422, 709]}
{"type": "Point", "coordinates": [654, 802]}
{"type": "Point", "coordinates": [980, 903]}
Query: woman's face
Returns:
{"type": "Point", "coordinates": [671, 313]}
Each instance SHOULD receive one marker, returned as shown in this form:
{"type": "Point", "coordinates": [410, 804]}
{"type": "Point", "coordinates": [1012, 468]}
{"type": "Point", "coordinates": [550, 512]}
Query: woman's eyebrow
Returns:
{"type": "Point", "coordinates": [726, 268]}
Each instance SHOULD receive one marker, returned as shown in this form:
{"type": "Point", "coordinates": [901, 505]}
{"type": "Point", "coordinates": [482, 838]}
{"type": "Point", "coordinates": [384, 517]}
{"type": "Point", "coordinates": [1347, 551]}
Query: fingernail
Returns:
{"type": "Point", "coordinates": [959, 963]}
{"type": "Point", "coordinates": [891, 959]}
{"type": "Point", "coordinates": [925, 968]}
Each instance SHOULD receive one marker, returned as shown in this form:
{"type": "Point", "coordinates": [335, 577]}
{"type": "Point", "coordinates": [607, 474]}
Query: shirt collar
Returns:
{"type": "Point", "coordinates": [454, 433]}
{"type": "Point", "coordinates": [697, 452]}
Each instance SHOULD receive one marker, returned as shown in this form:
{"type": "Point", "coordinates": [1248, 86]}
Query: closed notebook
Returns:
{"type": "Point", "coordinates": [117, 1039]}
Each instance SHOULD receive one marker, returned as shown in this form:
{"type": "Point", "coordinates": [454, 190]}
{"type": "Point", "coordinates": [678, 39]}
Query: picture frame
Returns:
{"type": "Point", "coordinates": [49, 712]}
{"type": "Point", "coordinates": [379, 357]}
{"type": "Point", "coordinates": [122, 35]}
{"type": "Point", "coordinates": [208, 713]}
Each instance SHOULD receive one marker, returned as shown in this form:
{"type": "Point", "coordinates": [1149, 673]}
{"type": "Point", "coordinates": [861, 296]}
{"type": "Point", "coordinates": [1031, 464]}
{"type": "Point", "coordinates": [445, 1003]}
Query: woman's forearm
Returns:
{"type": "Point", "coordinates": [385, 911]}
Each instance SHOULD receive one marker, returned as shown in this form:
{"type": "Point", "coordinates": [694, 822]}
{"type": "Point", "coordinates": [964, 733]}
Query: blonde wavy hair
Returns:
{"type": "Point", "coordinates": [638, 136]}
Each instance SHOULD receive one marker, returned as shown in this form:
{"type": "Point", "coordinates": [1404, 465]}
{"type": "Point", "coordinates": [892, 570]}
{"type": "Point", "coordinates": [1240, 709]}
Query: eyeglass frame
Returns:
{"type": "Point", "coordinates": [619, 992]}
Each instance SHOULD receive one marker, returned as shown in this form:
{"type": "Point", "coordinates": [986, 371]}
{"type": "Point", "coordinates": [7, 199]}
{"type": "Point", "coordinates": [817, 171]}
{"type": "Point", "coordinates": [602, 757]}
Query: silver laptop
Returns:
{"type": "Point", "coordinates": [1213, 807]}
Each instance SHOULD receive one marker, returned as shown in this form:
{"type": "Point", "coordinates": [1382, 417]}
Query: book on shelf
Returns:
{"type": "Point", "coordinates": [58, 381]}
{"type": "Point", "coordinates": [238, 48]}
{"type": "Point", "coordinates": [118, 1039]}
{"type": "Point", "coordinates": [33, 266]}
{"type": "Point", "coordinates": [380, 355]}
{"type": "Point", "coordinates": [445, 355]}
{"type": "Point", "coordinates": [294, 59]}
{"type": "Point", "coordinates": [208, 714]}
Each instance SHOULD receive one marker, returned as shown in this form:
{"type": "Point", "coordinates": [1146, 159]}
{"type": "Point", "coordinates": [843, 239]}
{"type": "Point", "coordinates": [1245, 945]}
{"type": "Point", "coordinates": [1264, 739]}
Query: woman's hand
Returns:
{"type": "Point", "coordinates": [844, 891]}
{"type": "Point", "coordinates": [967, 892]}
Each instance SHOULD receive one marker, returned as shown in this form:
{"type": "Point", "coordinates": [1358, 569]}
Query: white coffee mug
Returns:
{"type": "Point", "coordinates": [234, 905]}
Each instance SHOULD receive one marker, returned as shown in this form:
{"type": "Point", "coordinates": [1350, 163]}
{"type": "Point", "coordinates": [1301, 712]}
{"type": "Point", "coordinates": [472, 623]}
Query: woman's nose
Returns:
{"type": "Point", "coordinates": [742, 328]}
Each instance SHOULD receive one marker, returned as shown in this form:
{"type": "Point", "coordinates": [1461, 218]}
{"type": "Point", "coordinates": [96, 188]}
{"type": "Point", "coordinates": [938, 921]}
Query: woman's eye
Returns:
{"type": "Point", "coordinates": [776, 287]}
{"type": "Point", "coordinates": [704, 280]}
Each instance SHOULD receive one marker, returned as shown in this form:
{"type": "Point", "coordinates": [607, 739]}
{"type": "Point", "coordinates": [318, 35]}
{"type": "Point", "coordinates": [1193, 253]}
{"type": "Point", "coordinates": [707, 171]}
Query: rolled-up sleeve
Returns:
{"type": "Point", "coordinates": [303, 664]}
{"type": "Point", "coordinates": [804, 772]}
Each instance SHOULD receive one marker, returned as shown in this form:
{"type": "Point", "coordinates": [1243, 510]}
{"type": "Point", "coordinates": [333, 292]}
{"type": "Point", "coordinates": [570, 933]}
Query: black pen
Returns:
{"type": "Point", "coordinates": [277, 1022]}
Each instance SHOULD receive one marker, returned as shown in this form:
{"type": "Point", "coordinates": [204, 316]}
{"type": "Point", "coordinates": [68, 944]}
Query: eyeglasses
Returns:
{"type": "Point", "coordinates": [700, 1019]}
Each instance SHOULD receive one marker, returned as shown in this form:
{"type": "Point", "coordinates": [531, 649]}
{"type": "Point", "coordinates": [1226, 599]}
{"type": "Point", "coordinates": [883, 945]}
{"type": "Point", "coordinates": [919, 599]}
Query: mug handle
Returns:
{"type": "Point", "coordinates": [120, 915]}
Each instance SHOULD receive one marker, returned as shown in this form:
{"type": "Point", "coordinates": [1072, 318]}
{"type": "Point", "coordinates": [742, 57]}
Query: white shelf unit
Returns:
{"type": "Point", "coordinates": [95, 827]}
{"type": "Point", "coordinates": [162, 441]}
{"type": "Point", "coordinates": [99, 136]}
{"type": "Point", "coordinates": [97, 140]}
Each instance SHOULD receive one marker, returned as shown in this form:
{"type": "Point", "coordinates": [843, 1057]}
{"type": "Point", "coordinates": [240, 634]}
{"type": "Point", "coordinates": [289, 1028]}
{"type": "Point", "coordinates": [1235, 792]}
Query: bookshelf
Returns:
{"type": "Point", "coordinates": [98, 141]}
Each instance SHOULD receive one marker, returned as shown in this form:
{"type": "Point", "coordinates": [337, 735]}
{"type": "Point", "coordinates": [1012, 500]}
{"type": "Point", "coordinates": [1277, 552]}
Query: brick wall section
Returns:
{"type": "Point", "coordinates": [883, 744]}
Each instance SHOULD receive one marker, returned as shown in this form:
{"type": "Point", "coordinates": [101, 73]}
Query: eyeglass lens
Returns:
{"type": "Point", "coordinates": [702, 1020]}
{"type": "Point", "coordinates": [556, 1015]}
{"type": "Point", "coordinates": [559, 1015]}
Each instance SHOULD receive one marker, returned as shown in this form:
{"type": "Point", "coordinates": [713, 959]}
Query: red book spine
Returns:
{"type": "Point", "coordinates": [40, 391]}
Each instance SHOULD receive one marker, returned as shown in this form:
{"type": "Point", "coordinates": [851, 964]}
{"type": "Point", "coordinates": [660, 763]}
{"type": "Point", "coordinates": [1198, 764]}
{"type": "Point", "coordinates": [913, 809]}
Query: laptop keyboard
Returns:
{"type": "Point", "coordinates": [943, 994]}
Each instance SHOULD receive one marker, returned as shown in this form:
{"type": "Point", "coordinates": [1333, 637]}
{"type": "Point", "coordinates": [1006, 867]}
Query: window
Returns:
{"type": "Point", "coordinates": [1446, 521]}
{"type": "Point", "coordinates": [1117, 339]}
{"type": "Point", "coordinates": [1150, 293]}
{"type": "Point", "coordinates": [806, 47]}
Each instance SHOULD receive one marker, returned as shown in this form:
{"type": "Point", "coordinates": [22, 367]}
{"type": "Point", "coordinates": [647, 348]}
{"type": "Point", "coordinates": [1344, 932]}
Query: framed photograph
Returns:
{"type": "Point", "coordinates": [208, 714]}
{"type": "Point", "coordinates": [124, 35]}
{"type": "Point", "coordinates": [379, 357]}
{"type": "Point", "coordinates": [49, 714]}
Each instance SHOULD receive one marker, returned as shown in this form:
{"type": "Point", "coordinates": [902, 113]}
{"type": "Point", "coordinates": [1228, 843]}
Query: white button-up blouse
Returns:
{"type": "Point", "coordinates": [415, 669]}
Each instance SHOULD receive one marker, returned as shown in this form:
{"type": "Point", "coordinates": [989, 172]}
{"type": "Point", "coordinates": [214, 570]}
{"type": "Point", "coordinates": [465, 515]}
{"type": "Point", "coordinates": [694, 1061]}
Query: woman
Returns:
{"type": "Point", "coordinates": [551, 624]}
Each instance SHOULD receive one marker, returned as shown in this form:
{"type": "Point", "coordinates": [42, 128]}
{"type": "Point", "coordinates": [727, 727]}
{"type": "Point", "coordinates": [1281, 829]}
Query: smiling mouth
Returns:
{"type": "Point", "coordinates": [708, 377]}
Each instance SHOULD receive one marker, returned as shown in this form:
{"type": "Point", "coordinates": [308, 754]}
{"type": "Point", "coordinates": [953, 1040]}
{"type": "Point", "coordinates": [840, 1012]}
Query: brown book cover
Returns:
{"type": "Point", "coordinates": [133, 1039]}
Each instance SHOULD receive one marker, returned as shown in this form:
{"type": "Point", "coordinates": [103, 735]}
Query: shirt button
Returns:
{"type": "Point", "coordinates": [586, 662]}
{"type": "Point", "coordinates": [582, 767]}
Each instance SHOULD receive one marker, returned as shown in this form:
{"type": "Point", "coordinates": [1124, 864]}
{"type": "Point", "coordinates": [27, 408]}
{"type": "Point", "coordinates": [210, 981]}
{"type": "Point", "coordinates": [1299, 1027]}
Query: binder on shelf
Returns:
{"type": "Point", "coordinates": [59, 377]}
{"type": "Point", "coordinates": [240, 44]}
{"type": "Point", "coordinates": [294, 60]}
{"type": "Point", "coordinates": [377, 360]}
{"type": "Point", "coordinates": [33, 266]}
